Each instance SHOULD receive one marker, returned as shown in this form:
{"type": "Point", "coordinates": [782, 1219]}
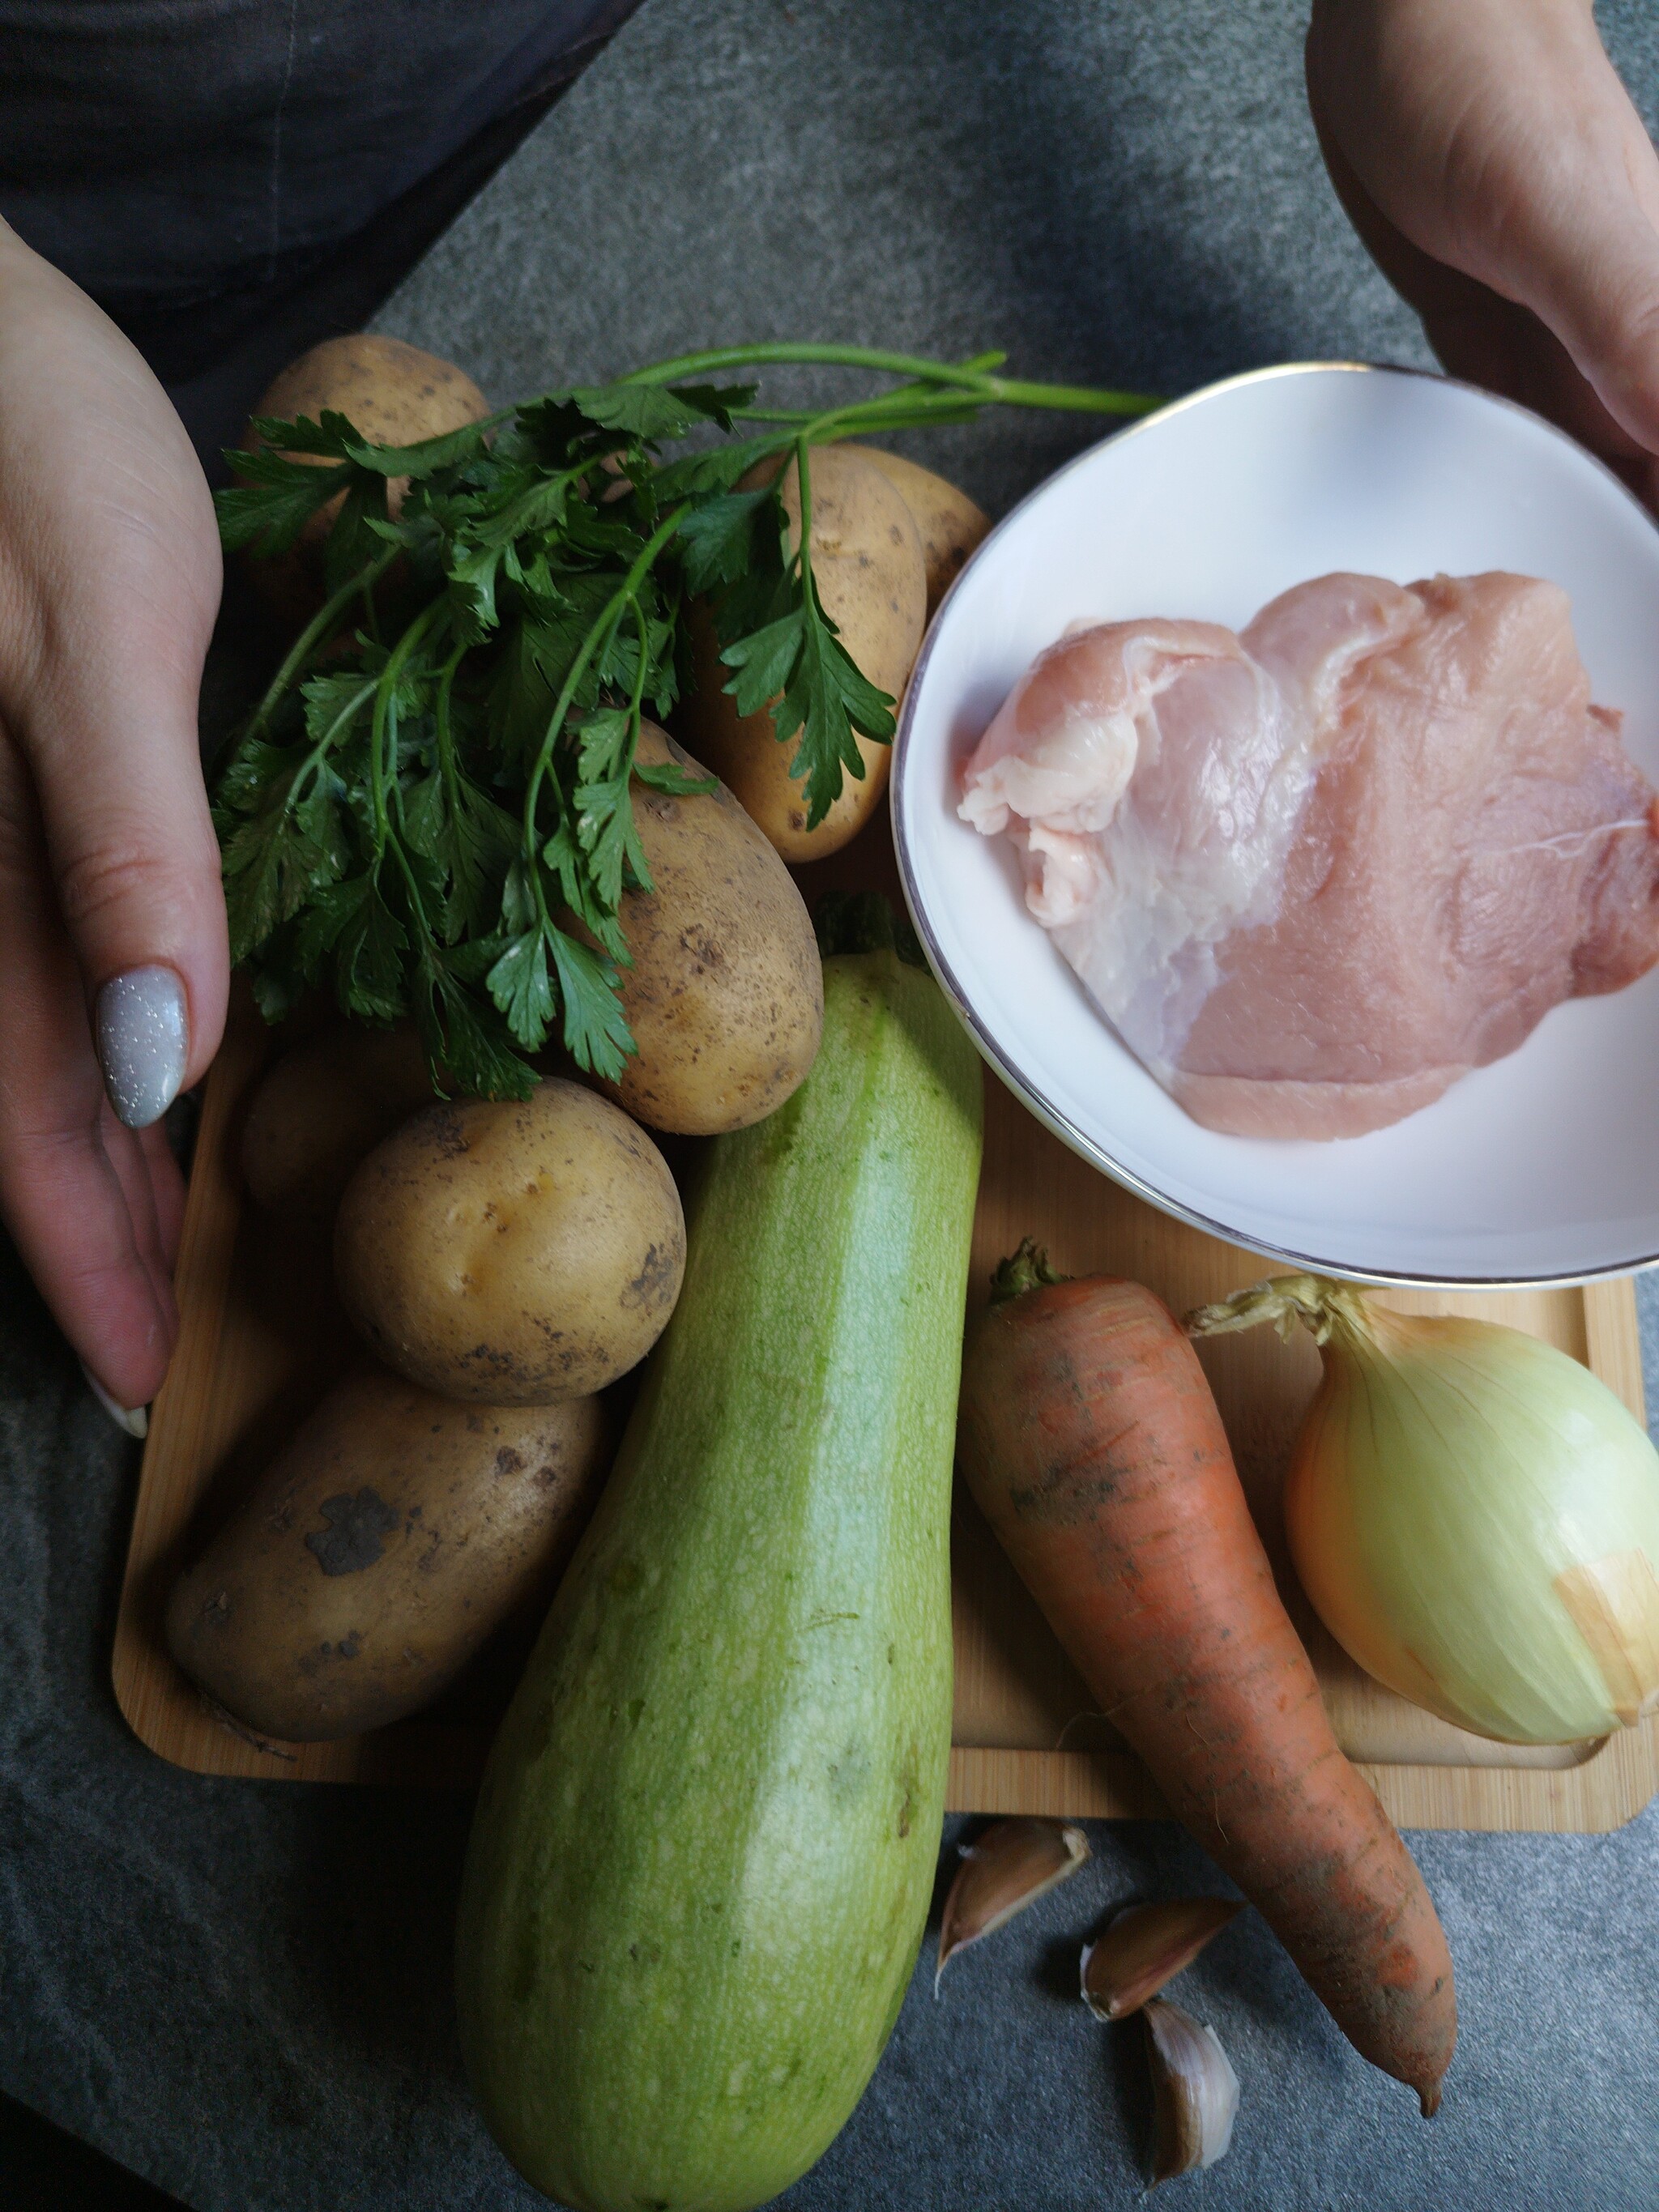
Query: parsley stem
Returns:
{"type": "Point", "coordinates": [416, 906]}
{"type": "Point", "coordinates": [637, 704]}
{"type": "Point", "coordinates": [384, 715]}
{"type": "Point", "coordinates": [611, 615]}
{"type": "Point", "coordinates": [905, 410]}
{"type": "Point", "coordinates": [900, 398]}
{"type": "Point", "coordinates": [445, 734]}
{"type": "Point", "coordinates": [803, 481]}
{"type": "Point", "coordinates": [317, 629]}
{"type": "Point", "coordinates": [895, 410]}
{"type": "Point", "coordinates": [1076, 398]}
{"type": "Point", "coordinates": [325, 744]}
{"type": "Point", "coordinates": [831, 356]}
{"type": "Point", "coordinates": [635, 710]}
{"type": "Point", "coordinates": [1069, 398]}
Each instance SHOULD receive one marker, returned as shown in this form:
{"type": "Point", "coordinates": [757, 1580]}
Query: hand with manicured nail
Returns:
{"type": "Point", "coordinates": [1491, 160]}
{"type": "Point", "coordinates": [113, 952]}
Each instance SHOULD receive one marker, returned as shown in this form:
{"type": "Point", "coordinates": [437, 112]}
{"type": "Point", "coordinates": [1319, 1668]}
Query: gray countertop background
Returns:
{"type": "Point", "coordinates": [242, 1990]}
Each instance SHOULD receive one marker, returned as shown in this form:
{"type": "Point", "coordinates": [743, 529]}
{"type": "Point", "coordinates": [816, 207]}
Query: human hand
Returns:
{"type": "Point", "coordinates": [1491, 160]}
{"type": "Point", "coordinates": [112, 916]}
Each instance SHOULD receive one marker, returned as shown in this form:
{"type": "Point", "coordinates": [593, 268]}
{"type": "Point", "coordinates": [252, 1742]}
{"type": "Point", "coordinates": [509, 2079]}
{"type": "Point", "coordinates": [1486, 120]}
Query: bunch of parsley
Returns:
{"type": "Point", "coordinates": [429, 811]}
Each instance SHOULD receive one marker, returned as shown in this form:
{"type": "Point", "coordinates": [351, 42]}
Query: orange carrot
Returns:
{"type": "Point", "coordinates": [1091, 1439]}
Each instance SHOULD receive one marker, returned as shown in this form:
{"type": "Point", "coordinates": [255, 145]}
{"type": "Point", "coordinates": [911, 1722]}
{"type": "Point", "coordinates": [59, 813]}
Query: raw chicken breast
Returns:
{"type": "Point", "coordinates": [1315, 873]}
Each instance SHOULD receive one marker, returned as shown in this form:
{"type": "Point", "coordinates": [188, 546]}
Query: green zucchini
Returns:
{"type": "Point", "coordinates": [704, 1850]}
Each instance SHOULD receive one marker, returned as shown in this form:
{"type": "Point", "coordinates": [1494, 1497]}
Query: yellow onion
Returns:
{"type": "Point", "coordinates": [1473, 1516]}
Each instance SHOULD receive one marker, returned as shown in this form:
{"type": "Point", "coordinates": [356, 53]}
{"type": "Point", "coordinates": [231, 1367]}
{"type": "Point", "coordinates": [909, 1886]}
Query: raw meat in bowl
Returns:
{"type": "Point", "coordinates": [1316, 871]}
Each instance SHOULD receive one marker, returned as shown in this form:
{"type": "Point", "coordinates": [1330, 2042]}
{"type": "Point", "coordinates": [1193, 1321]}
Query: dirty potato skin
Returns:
{"type": "Point", "coordinates": [377, 1552]}
{"type": "Point", "coordinates": [950, 524]}
{"type": "Point", "coordinates": [872, 581]}
{"type": "Point", "coordinates": [395, 395]}
{"type": "Point", "coordinates": [726, 995]}
{"type": "Point", "coordinates": [511, 1252]}
{"type": "Point", "coordinates": [320, 1108]}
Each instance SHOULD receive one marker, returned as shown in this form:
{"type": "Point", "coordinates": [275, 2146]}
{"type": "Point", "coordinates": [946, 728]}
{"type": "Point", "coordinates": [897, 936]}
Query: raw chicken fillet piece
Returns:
{"type": "Point", "coordinates": [1314, 873]}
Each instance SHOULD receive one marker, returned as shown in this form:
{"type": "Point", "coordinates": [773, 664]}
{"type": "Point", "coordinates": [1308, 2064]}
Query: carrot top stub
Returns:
{"type": "Point", "coordinates": [1025, 1269]}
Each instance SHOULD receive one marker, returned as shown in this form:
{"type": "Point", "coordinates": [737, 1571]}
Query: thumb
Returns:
{"type": "Point", "coordinates": [109, 728]}
{"type": "Point", "coordinates": [132, 849]}
{"type": "Point", "coordinates": [1582, 253]}
{"type": "Point", "coordinates": [1492, 144]}
{"type": "Point", "coordinates": [109, 583]}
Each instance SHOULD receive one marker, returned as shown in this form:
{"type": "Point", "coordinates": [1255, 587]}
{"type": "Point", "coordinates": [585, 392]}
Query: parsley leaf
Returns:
{"type": "Point", "coordinates": [717, 468]}
{"type": "Point", "coordinates": [720, 536]}
{"type": "Point", "coordinates": [272, 506]}
{"type": "Point", "coordinates": [596, 1031]}
{"type": "Point", "coordinates": [765, 660]}
{"type": "Point", "coordinates": [331, 436]}
{"type": "Point", "coordinates": [427, 459]}
{"type": "Point", "coordinates": [353, 539]}
{"type": "Point", "coordinates": [649, 411]}
{"type": "Point", "coordinates": [519, 986]}
{"type": "Point", "coordinates": [563, 856]}
{"type": "Point", "coordinates": [281, 854]}
{"type": "Point", "coordinates": [817, 692]}
{"type": "Point", "coordinates": [353, 929]}
{"type": "Point", "coordinates": [676, 781]}
{"type": "Point", "coordinates": [464, 1038]}
{"type": "Point", "coordinates": [609, 841]}
{"type": "Point", "coordinates": [334, 704]}
{"type": "Point", "coordinates": [471, 842]}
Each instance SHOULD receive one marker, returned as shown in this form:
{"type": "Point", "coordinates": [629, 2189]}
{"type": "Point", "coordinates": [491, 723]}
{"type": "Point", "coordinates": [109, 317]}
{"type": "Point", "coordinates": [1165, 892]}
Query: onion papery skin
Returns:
{"type": "Point", "coordinates": [1448, 1474]}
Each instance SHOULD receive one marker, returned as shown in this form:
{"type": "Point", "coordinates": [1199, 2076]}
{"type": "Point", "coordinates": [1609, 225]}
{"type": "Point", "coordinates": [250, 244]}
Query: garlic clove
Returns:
{"type": "Point", "coordinates": [1194, 2091]}
{"type": "Point", "coordinates": [1013, 1862]}
{"type": "Point", "coordinates": [1146, 1945]}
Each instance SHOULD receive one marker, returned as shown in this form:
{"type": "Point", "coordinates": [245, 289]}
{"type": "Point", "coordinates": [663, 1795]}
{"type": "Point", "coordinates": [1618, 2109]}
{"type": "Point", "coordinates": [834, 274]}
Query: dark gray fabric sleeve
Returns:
{"type": "Point", "coordinates": [164, 152]}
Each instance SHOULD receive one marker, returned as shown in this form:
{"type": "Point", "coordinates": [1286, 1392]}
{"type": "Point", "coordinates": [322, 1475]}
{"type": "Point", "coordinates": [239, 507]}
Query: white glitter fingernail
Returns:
{"type": "Point", "coordinates": [135, 1419]}
{"type": "Point", "coordinates": [143, 1042]}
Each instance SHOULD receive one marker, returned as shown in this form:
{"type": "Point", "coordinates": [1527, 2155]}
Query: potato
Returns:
{"type": "Point", "coordinates": [726, 995]}
{"type": "Point", "coordinates": [949, 523]}
{"type": "Point", "coordinates": [872, 579]}
{"type": "Point", "coordinates": [395, 395]}
{"type": "Point", "coordinates": [376, 1553]}
{"type": "Point", "coordinates": [514, 1252]}
{"type": "Point", "coordinates": [327, 1102]}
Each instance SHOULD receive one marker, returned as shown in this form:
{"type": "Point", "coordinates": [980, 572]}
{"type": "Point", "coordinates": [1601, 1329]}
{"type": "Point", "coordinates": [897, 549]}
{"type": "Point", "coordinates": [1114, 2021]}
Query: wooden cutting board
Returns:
{"type": "Point", "coordinates": [261, 1339]}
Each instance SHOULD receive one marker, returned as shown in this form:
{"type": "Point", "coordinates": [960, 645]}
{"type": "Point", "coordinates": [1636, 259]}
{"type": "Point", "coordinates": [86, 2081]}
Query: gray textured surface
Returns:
{"type": "Point", "coordinates": [1113, 194]}
{"type": "Point", "coordinates": [242, 1990]}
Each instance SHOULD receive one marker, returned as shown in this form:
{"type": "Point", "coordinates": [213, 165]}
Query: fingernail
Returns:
{"type": "Point", "coordinates": [135, 1419]}
{"type": "Point", "coordinates": [143, 1042]}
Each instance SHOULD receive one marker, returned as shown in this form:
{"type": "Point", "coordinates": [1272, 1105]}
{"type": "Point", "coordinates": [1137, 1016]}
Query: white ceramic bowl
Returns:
{"type": "Point", "coordinates": [1542, 1168]}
